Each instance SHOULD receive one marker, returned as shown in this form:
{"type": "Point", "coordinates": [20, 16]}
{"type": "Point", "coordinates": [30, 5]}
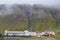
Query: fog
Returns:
{"type": "Point", "coordinates": [44, 2]}
{"type": "Point", "coordinates": [18, 15]}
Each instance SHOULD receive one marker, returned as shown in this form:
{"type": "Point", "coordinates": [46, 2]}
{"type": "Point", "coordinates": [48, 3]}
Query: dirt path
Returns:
{"type": "Point", "coordinates": [25, 38]}
{"type": "Point", "coordinates": [50, 39]}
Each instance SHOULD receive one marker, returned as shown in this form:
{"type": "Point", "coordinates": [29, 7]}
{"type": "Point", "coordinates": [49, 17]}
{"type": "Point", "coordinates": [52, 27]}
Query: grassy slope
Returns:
{"type": "Point", "coordinates": [40, 25]}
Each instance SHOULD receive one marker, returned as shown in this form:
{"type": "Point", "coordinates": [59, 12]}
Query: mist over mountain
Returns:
{"type": "Point", "coordinates": [10, 9]}
{"type": "Point", "coordinates": [17, 14]}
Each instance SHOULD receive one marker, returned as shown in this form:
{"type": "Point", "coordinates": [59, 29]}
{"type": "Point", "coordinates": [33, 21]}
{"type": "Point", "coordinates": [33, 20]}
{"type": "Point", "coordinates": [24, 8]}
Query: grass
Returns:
{"type": "Point", "coordinates": [40, 25]}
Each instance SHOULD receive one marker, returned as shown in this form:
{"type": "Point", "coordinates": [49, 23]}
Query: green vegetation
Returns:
{"type": "Point", "coordinates": [40, 25]}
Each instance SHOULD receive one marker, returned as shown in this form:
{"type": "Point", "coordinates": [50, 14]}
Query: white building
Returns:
{"type": "Point", "coordinates": [19, 33]}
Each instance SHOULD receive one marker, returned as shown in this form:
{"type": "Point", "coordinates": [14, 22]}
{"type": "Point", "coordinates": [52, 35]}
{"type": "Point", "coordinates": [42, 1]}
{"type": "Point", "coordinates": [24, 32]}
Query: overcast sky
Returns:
{"type": "Point", "coordinates": [45, 2]}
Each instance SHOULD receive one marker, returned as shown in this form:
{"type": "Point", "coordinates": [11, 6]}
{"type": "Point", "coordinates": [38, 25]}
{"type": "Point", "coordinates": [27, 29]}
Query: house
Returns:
{"type": "Point", "coordinates": [19, 33]}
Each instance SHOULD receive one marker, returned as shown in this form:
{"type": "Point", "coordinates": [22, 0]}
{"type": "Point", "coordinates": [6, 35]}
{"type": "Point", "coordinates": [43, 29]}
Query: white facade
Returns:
{"type": "Point", "coordinates": [20, 33]}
